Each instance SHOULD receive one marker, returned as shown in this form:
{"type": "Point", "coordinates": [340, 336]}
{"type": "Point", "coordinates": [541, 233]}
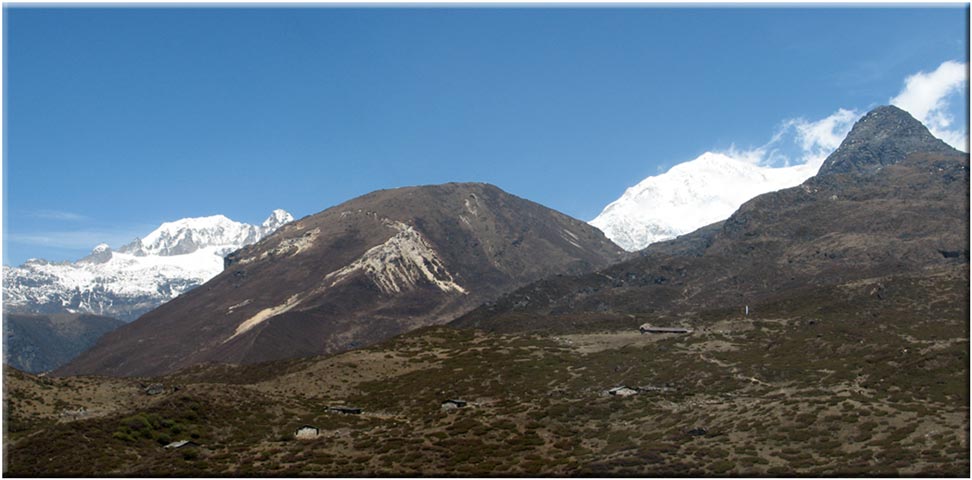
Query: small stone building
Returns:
{"type": "Point", "coordinates": [181, 444]}
{"type": "Point", "coordinates": [307, 432]}
{"type": "Point", "coordinates": [453, 404]}
{"type": "Point", "coordinates": [646, 328]}
{"type": "Point", "coordinates": [346, 410]}
{"type": "Point", "coordinates": [622, 391]}
{"type": "Point", "coordinates": [154, 389]}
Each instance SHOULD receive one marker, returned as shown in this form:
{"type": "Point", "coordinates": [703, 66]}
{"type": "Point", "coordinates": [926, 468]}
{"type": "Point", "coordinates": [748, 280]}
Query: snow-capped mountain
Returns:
{"type": "Point", "coordinates": [689, 196]}
{"type": "Point", "coordinates": [137, 277]}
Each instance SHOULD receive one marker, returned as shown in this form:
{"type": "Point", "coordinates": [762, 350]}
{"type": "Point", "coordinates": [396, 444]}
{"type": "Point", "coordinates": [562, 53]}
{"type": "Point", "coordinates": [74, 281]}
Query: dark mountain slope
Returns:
{"type": "Point", "coordinates": [895, 204]}
{"type": "Point", "coordinates": [38, 343]}
{"type": "Point", "coordinates": [363, 271]}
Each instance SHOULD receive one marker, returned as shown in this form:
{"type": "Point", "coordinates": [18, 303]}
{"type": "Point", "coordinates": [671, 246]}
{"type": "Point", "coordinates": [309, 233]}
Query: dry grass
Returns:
{"type": "Point", "coordinates": [832, 383]}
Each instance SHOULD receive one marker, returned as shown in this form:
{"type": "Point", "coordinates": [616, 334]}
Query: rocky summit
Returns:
{"type": "Point", "coordinates": [355, 274]}
{"type": "Point", "coordinates": [885, 136]}
{"type": "Point", "coordinates": [892, 200]}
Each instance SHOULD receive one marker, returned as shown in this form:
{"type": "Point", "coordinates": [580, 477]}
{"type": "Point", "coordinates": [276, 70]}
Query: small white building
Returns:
{"type": "Point", "coordinates": [453, 404]}
{"type": "Point", "coordinates": [307, 432]}
{"type": "Point", "coordinates": [622, 391]}
{"type": "Point", "coordinates": [647, 328]}
{"type": "Point", "coordinates": [182, 444]}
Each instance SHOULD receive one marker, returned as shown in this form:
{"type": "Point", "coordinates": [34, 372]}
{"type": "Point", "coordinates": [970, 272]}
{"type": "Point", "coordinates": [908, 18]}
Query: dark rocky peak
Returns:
{"type": "Point", "coordinates": [885, 136]}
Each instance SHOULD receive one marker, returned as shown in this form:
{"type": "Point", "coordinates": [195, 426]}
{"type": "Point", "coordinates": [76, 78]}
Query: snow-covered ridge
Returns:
{"type": "Point", "coordinates": [691, 195]}
{"type": "Point", "coordinates": [137, 277]}
{"type": "Point", "coordinates": [191, 234]}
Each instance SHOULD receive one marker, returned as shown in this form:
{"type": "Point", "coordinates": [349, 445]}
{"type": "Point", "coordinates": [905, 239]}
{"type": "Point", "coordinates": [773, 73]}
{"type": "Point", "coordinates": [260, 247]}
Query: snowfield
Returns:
{"type": "Point", "coordinates": [689, 196]}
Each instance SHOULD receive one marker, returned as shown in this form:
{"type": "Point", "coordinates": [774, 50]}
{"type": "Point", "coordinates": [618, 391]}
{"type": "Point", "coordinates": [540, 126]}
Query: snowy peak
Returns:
{"type": "Point", "coordinates": [277, 219]}
{"type": "Point", "coordinates": [699, 192]}
{"type": "Point", "coordinates": [689, 196]}
{"type": "Point", "coordinates": [138, 277]}
{"type": "Point", "coordinates": [100, 254]}
{"type": "Point", "coordinates": [191, 234]}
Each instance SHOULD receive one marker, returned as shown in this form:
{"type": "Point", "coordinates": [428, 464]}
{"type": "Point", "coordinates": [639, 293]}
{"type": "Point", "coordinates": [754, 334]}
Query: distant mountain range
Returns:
{"type": "Point", "coordinates": [38, 343]}
{"type": "Point", "coordinates": [139, 276]}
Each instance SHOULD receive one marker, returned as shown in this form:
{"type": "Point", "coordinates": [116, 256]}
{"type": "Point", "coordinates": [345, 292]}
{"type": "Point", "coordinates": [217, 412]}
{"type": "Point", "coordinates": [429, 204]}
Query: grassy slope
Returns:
{"type": "Point", "coordinates": [869, 378]}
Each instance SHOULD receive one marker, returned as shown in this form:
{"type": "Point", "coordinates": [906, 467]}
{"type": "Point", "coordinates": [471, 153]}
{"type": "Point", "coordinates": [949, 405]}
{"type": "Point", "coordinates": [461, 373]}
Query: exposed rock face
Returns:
{"type": "Point", "coordinates": [363, 271]}
{"type": "Point", "coordinates": [887, 202]}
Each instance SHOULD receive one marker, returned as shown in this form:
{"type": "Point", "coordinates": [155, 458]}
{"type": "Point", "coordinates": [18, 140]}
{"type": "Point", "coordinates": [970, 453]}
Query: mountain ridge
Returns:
{"type": "Point", "coordinates": [356, 273]}
{"type": "Point", "coordinates": [38, 343]}
{"type": "Point", "coordinates": [173, 258]}
{"type": "Point", "coordinates": [873, 217]}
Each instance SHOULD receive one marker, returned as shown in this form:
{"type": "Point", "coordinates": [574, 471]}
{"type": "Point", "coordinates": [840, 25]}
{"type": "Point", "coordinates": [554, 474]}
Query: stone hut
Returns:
{"type": "Point", "coordinates": [154, 389]}
{"type": "Point", "coordinates": [647, 328]}
{"type": "Point", "coordinates": [453, 404]}
{"type": "Point", "coordinates": [307, 432]}
{"type": "Point", "coordinates": [622, 391]}
{"type": "Point", "coordinates": [346, 410]}
{"type": "Point", "coordinates": [181, 444]}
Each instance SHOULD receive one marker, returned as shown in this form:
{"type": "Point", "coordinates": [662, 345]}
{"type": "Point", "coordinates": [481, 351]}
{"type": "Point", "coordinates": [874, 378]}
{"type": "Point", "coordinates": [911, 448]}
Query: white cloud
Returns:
{"type": "Point", "coordinates": [820, 138]}
{"type": "Point", "coordinates": [800, 142]}
{"type": "Point", "coordinates": [928, 96]}
{"type": "Point", "coordinates": [75, 239]}
{"type": "Point", "coordinates": [59, 215]}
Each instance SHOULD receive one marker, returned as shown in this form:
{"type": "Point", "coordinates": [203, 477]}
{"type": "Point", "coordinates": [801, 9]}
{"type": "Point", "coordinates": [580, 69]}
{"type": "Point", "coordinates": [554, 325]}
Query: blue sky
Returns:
{"type": "Point", "coordinates": [117, 119]}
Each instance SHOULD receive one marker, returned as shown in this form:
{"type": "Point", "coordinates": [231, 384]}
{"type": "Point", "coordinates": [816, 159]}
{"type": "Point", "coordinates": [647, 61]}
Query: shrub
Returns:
{"type": "Point", "coordinates": [722, 466]}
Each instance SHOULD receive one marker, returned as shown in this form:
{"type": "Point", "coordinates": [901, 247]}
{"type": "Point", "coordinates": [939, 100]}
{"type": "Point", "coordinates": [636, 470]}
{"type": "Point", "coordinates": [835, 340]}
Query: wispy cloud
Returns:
{"type": "Point", "coordinates": [928, 96]}
{"type": "Point", "coordinates": [799, 141]}
{"type": "Point", "coordinates": [818, 139]}
{"type": "Point", "coordinates": [59, 215]}
{"type": "Point", "coordinates": [75, 239]}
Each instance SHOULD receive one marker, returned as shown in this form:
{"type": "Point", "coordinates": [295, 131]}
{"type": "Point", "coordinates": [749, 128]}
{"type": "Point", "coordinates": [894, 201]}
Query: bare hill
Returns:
{"type": "Point", "coordinates": [363, 271]}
